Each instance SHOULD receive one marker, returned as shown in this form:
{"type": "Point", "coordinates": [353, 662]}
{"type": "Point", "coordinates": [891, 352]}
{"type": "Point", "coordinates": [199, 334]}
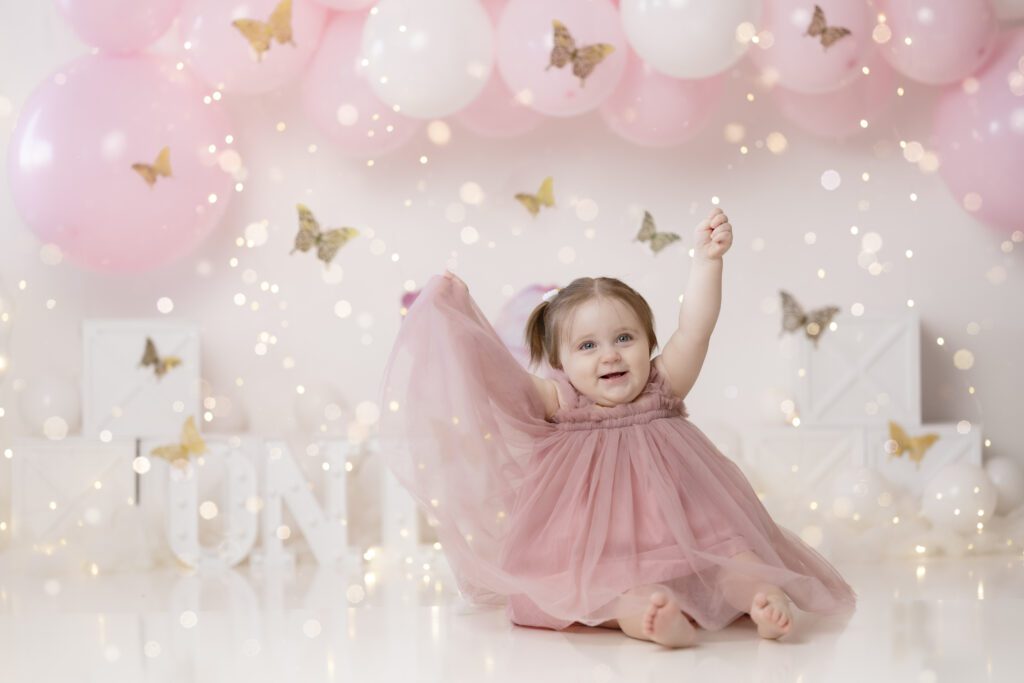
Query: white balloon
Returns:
{"type": "Point", "coordinates": [959, 497]}
{"type": "Point", "coordinates": [428, 57]}
{"type": "Point", "coordinates": [1008, 477]}
{"type": "Point", "coordinates": [691, 39]}
{"type": "Point", "coordinates": [50, 406]}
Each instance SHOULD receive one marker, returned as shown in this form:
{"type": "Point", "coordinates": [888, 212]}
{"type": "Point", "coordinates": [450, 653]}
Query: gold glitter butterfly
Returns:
{"type": "Point", "coordinates": [160, 167]}
{"type": "Point", "coordinates": [813, 323]}
{"type": "Point", "coordinates": [583, 59]}
{"type": "Point", "coordinates": [545, 197]}
{"type": "Point", "coordinates": [179, 453]}
{"type": "Point", "coordinates": [326, 243]}
{"type": "Point", "coordinates": [649, 233]}
{"type": "Point", "coordinates": [820, 29]}
{"type": "Point", "coordinates": [260, 33]}
{"type": "Point", "coordinates": [914, 446]}
{"type": "Point", "coordinates": [160, 365]}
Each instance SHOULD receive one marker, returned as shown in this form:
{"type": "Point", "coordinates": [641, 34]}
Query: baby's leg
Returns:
{"type": "Point", "coordinates": [663, 622]}
{"type": "Point", "coordinates": [766, 604]}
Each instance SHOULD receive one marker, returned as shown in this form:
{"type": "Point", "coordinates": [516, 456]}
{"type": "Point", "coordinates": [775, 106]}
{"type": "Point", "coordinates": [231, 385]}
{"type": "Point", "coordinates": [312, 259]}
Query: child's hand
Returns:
{"type": "Point", "coordinates": [713, 236]}
{"type": "Point", "coordinates": [449, 275]}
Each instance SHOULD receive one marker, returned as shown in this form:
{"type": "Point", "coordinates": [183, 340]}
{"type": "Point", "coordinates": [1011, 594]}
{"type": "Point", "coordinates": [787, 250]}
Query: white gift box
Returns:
{"type": "Point", "coordinates": [864, 371]}
{"type": "Point", "coordinates": [127, 399]}
{"type": "Point", "coordinates": [62, 486]}
{"type": "Point", "coordinates": [951, 447]}
{"type": "Point", "coordinates": [786, 461]}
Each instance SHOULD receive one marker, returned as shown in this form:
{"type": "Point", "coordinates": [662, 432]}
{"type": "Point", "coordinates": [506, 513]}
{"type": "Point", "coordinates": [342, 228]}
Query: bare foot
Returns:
{"type": "Point", "coordinates": [665, 623]}
{"type": "Point", "coordinates": [770, 611]}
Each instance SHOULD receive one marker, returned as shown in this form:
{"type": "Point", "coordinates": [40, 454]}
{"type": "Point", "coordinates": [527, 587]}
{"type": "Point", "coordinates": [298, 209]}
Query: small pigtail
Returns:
{"type": "Point", "coordinates": [535, 331]}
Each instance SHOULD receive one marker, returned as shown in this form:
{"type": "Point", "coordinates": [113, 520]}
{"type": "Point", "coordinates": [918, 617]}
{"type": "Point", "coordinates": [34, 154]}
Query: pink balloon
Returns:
{"type": "Point", "coordinates": [939, 41]}
{"type": "Point", "coordinates": [221, 55]}
{"type": "Point", "coordinates": [337, 98]}
{"type": "Point", "coordinates": [839, 113]}
{"type": "Point", "coordinates": [654, 110]}
{"type": "Point", "coordinates": [496, 113]}
{"type": "Point", "coordinates": [71, 155]}
{"type": "Point", "coordinates": [510, 324]}
{"type": "Point", "coordinates": [120, 26]}
{"type": "Point", "coordinates": [979, 135]}
{"type": "Point", "coordinates": [347, 5]}
{"type": "Point", "coordinates": [526, 37]}
{"type": "Point", "coordinates": [798, 61]}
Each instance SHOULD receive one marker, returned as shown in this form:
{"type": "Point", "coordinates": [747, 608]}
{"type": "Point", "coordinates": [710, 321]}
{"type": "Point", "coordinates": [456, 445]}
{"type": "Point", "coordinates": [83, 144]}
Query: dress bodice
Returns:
{"type": "Point", "coordinates": [578, 411]}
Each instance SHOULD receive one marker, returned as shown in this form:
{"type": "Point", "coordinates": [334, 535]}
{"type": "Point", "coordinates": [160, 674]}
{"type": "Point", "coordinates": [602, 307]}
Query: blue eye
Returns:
{"type": "Point", "coordinates": [584, 344]}
{"type": "Point", "coordinates": [627, 336]}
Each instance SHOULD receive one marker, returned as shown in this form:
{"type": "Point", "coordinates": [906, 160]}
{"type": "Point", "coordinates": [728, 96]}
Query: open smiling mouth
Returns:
{"type": "Point", "coordinates": [612, 376]}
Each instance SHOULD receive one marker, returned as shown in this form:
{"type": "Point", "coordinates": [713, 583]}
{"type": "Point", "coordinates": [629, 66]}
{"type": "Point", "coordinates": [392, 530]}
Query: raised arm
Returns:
{"type": "Point", "coordinates": [546, 388]}
{"type": "Point", "coordinates": [683, 355]}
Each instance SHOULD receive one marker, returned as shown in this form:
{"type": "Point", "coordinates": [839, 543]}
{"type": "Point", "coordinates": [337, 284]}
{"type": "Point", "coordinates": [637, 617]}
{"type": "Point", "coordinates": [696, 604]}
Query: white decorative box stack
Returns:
{"type": "Point", "coordinates": [846, 390]}
{"type": "Point", "coordinates": [91, 502]}
{"type": "Point", "coordinates": [121, 397]}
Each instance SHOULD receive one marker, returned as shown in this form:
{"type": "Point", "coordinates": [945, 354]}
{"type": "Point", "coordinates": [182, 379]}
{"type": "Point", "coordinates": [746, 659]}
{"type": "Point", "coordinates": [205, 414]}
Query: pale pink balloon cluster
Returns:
{"type": "Point", "coordinates": [979, 135]}
{"type": "Point", "coordinates": [369, 76]}
{"type": "Point", "coordinates": [72, 161]}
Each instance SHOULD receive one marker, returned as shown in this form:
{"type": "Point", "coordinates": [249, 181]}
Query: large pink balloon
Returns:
{"type": "Point", "coordinates": [654, 110]}
{"type": "Point", "coordinates": [337, 98]}
{"type": "Point", "coordinates": [937, 41]}
{"type": "Point", "coordinates": [496, 113]}
{"type": "Point", "coordinates": [979, 135]}
{"type": "Point", "coordinates": [526, 37]}
{"type": "Point", "coordinates": [120, 26]}
{"type": "Point", "coordinates": [798, 61]}
{"type": "Point", "coordinates": [346, 5]}
{"type": "Point", "coordinates": [71, 155]}
{"type": "Point", "coordinates": [222, 56]}
{"type": "Point", "coordinates": [838, 114]}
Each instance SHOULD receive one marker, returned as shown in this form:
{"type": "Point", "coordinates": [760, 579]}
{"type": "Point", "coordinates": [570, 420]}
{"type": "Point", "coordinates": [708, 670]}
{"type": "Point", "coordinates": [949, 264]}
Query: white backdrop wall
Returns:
{"type": "Point", "coordinates": [965, 280]}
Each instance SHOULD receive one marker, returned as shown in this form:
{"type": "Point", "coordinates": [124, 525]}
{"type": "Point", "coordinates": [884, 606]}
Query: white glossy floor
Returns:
{"type": "Point", "coordinates": [937, 620]}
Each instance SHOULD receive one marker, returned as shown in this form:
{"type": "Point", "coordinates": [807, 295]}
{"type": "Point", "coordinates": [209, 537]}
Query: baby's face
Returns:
{"type": "Point", "coordinates": [605, 336]}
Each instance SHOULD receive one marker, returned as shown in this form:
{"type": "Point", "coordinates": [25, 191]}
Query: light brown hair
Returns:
{"type": "Point", "coordinates": [546, 324]}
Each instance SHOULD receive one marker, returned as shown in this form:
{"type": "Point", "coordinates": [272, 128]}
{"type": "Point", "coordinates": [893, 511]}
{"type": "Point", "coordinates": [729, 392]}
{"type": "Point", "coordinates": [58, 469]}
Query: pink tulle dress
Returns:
{"type": "Point", "coordinates": [560, 519]}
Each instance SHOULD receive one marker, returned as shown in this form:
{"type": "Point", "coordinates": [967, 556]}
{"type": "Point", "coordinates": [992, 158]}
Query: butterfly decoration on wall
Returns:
{"type": "Point", "coordinates": [160, 167]}
{"type": "Point", "coordinates": [813, 323]}
{"type": "Point", "coordinates": [260, 33]}
{"type": "Point", "coordinates": [914, 447]}
{"type": "Point", "coordinates": [327, 242]}
{"type": "Point", "coordinates": [178, 454]}
{"type": "Point", "coordinates": [649, 233]}
{"type": "Point", "coordinates": [545, 197]}
{"type": "Point", "coordinates": [584, 59]}
{"type": "Point", "coordinates": [820, 29]}
{"type": "Point", "coordinates": [160, 365]}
